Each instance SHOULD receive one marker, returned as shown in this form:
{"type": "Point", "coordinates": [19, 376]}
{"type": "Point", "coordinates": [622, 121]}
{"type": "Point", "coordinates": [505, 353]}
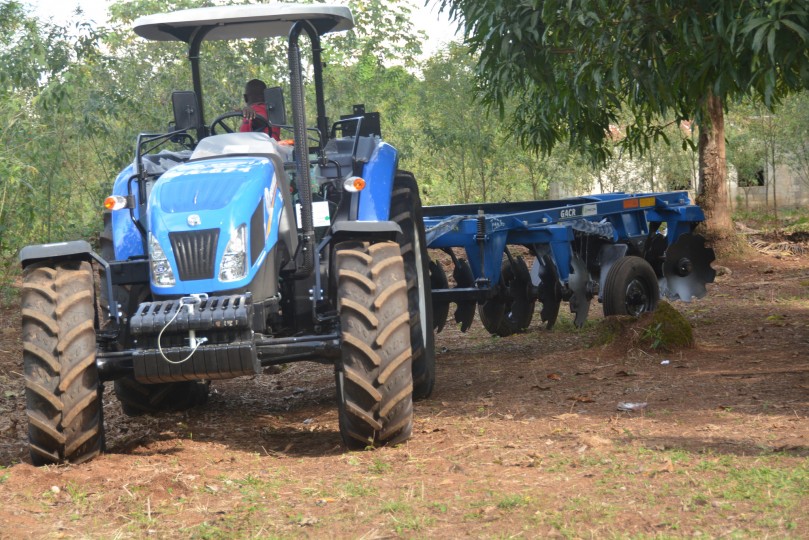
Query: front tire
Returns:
{"type": "Point", "coordinates": [62, 388]}
{"type": "Point", "coordinates": [374, 380]}
{"type": "Point", "coordinates": [405, 210]}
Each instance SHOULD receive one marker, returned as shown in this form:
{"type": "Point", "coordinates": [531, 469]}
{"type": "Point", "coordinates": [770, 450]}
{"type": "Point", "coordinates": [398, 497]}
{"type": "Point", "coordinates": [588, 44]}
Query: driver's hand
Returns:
{"type": "Point", "coordinates": [248, 113]}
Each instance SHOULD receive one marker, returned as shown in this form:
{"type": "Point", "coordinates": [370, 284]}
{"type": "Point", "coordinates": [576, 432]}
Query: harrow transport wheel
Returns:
{"type": "Point", "coordinates": [513, 310]}
{"type": "Point", "coordinates": [375, 379]}
{"type": "Point", "coordinates": [405, 210]}
{"type": "Point", "coordinates": [631, 288]}
{"type": "Point", "coordinates": [138, 398]}
{"type": "Point", "coordinates": [62, 388]}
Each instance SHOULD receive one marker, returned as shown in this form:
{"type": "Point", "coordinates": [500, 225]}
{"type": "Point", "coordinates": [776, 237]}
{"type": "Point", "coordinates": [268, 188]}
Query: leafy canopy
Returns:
{"type": "Point", "coordinates": [577, 67]}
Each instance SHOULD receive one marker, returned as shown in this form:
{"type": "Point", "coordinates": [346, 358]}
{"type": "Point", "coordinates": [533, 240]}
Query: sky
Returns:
{"type": "Point", "coordinates": [438, 29]}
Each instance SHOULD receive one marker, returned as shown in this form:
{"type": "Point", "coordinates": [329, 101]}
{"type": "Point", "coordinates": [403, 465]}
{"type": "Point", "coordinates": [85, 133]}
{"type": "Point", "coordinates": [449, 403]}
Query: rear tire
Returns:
{"type": "Point", "coordinates": [62, 388]}
{"type": "Point", "coordinates": [374, 380]}
{"type": "Point", "coordinates": [405, 210]}
{"type": "Point", "coordinates": [631, 288]}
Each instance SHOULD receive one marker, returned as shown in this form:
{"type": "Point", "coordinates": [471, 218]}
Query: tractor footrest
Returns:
{"type": "Point", "coordinates": [221, 361]}
{"type": "Point", "coordinates": [232, 312]}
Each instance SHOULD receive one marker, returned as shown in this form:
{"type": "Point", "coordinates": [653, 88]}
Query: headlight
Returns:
{"type": "Point", "coordinates": [162, 275]}
{"type": "Point", "coordinates": [234, 260]}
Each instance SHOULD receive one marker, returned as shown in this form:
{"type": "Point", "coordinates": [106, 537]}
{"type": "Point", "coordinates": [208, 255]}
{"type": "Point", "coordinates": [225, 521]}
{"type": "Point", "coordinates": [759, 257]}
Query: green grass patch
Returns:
{"type": "Point", "coordinates": [379, 466]}
{"type": "Point", "coordinates": [404, 518]}
{"type": "Point", "coordinates": [510, 502]}
{"type": "Point", "coordinates": [356, 489]}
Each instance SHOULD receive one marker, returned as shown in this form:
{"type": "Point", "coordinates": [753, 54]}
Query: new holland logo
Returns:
{"type": "Point", "coordinates": [193, 220]}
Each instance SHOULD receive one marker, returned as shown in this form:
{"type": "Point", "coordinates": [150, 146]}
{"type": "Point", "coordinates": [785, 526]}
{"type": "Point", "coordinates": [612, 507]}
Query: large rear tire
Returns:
{"type": "Point", "coordinates": [374, 379]}
{"type": "Point", "coordinates": [406, 211]}
{"type": "Point", "coordinates": [62, 388]}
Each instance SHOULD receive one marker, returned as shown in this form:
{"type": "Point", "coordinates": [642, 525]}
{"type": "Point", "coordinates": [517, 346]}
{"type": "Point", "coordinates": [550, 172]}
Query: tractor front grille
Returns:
{"type": "Point", "coordinates": [195, 253]}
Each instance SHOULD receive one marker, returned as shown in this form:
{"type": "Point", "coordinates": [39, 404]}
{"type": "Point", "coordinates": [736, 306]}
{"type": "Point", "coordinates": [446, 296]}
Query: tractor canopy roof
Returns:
{"type": "Point", "coordinates": [242, 21]}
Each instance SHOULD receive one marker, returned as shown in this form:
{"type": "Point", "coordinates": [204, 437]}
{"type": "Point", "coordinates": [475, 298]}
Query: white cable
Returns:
{"type": "Point", "coordinates": [199, 342]}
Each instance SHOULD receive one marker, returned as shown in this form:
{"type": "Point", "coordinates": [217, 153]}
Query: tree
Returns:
{"type": "Point", "coordinates": [794, 135]}
{"type": "Point", "coordinates": [577, 67]}
{"type": "Point", "coordinates": [461, 139]}
{"type": "Point", "coordinates": [44, 181]}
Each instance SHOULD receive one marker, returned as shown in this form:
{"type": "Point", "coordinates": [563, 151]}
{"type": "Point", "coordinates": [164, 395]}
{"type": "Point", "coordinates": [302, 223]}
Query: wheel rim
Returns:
{"type": "Point", "coordinates": [638, 297]}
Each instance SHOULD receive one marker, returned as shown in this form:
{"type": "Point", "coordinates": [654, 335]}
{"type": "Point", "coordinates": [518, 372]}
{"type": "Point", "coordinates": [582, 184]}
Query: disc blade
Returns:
{"type": "Point", "coordinates": [543, 272]}
{"type": "Point", "coordinates": [464, 278]}
{"type": "Point", "coordinates": [438, 280]}
{"type": "Point", "coordinates": [580, 301]}
{"type": "Point", "coordinates": [687, 268]}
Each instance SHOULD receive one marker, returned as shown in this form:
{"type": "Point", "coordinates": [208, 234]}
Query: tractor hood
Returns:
{"type": "Point", "coordinates": [209, 185]}
{"type": "Point", "coordinates": [204, 215]}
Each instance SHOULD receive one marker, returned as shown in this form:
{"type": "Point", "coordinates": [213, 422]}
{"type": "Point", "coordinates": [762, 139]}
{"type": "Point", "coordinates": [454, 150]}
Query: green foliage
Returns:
{"type": "Point", "coordinates": [579, 67]}
{"type": "Point", "coordinates": [793, 134]}
{"type": "Point", "coordinates": [576, 69]}
{"type": "Point", "coordinates": [653, 335]}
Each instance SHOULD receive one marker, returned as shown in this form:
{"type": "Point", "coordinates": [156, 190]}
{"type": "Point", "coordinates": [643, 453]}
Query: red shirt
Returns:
{"type": "Point", "coordinates": [247, 125]}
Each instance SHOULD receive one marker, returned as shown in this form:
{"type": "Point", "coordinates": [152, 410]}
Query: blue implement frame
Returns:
{"type": "Point", "coordinates": [484, 230]}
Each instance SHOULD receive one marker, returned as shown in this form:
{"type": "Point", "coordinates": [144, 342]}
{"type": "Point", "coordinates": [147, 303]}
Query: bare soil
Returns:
{"type": "Point", "coordinates": [522, 437]}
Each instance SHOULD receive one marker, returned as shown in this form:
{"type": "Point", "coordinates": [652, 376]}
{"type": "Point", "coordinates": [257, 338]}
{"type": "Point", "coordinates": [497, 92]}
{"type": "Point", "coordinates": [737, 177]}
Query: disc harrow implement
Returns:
{"type": "Point", "coordinates": [624, 250]}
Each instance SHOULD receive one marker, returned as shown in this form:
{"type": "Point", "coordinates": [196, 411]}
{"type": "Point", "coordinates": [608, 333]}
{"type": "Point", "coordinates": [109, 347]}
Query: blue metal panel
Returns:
{"type": "Point", "coordinates": [378, 173]}
{"type": "Point", "coordinates": [223, 193]}
{"type": "Point", "coordinates": [126, 238]}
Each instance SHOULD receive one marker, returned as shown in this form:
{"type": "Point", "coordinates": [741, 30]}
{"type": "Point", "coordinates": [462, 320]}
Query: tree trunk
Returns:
{"type": "Point", "coordinates": [713, 196]}
{"type": "Point", "coordinates": [774, 195]}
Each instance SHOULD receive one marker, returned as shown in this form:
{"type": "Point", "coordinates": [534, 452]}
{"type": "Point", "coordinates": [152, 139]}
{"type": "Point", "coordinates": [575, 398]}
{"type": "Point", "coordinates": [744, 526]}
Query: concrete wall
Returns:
{"type": "Point", "coordinates": [790, 191]}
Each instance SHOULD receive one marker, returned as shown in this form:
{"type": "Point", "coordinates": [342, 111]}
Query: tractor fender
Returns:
{"type": "Point", "coordinates": [66, 251]}
{"type": "Point", "coordinates": [126, 238]}
{"type": "Point", "coordinates": [365, 231]}
{"type": "Point", "coordinates": [58, 251]}
{"type": "Point", "coordinates": [378, 173]}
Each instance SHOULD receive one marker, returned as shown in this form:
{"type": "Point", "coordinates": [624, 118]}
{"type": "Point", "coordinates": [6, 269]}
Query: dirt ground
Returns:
{"type": "Point", "coordinates": [521, 438]}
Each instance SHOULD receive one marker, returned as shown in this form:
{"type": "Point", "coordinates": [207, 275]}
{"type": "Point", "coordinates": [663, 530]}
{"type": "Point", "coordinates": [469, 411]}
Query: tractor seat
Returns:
{"type": "Point", "coordinates": [157, 164]}
{"type": "Point", "coordinates": [240, 144]}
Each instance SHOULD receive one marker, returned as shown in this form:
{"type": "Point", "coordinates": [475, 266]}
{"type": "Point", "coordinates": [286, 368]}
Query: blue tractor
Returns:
{"type": "Point", "coordinates": [227, 252]}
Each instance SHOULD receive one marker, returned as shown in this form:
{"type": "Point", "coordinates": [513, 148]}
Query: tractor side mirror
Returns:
{"type": "Point", "coordinates": [186, 110]}
{"type": "Point", "coordinates": [274, 100]}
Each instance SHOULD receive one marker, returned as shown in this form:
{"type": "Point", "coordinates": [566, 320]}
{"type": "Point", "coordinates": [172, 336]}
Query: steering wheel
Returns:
{"type": "Point", "coordinates": [220, 120]}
